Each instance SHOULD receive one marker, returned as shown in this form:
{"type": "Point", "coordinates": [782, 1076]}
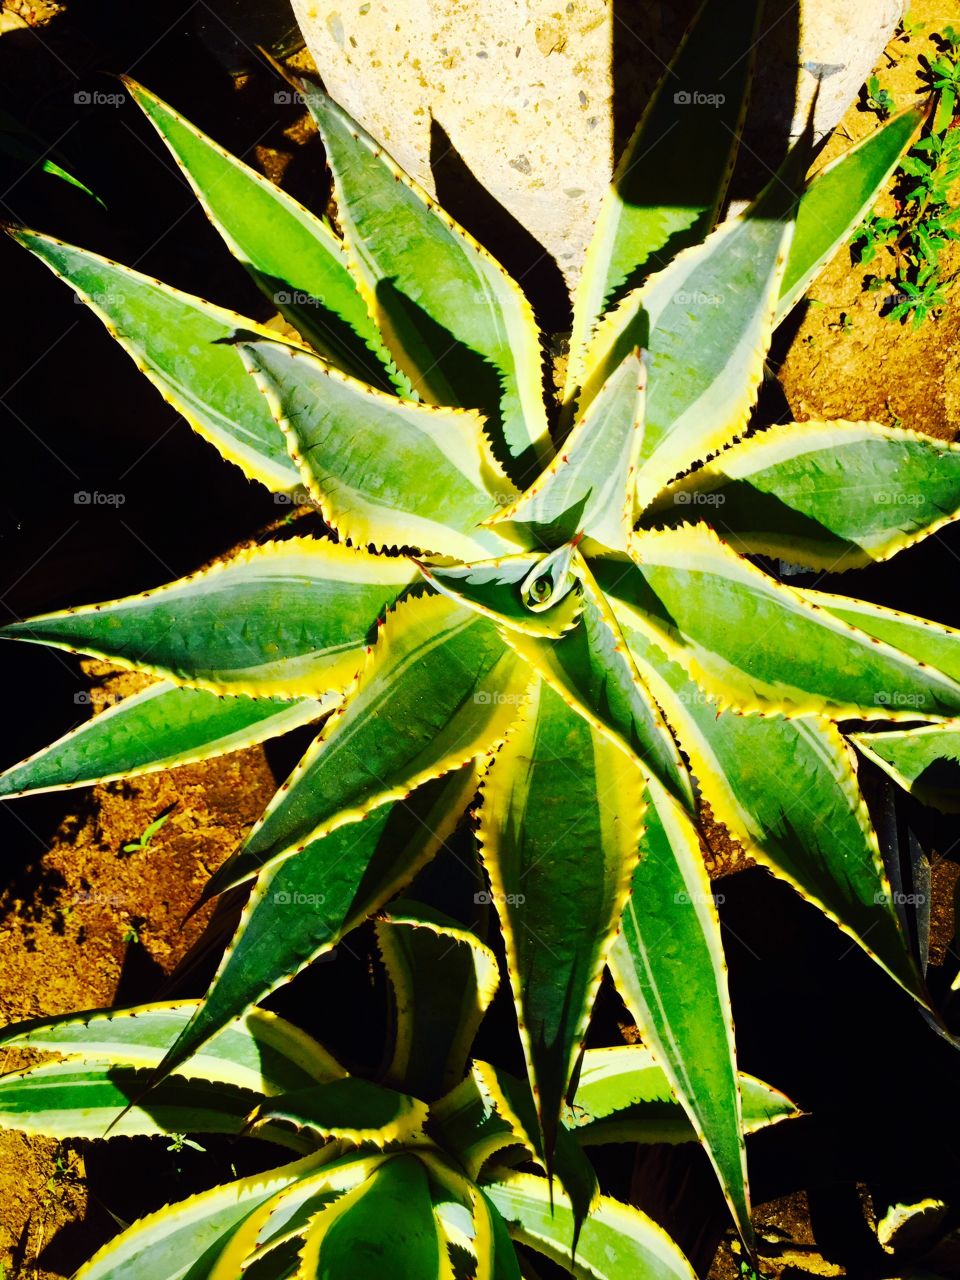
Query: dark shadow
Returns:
{"type": "Point", "coordinates": [645, 38]}
{"type": "Point", "coordinates": [460, 374]}
{"type": "Point", "coordinates": [480, 213]}
{"type": "Point", "coordinates": [739, 510]}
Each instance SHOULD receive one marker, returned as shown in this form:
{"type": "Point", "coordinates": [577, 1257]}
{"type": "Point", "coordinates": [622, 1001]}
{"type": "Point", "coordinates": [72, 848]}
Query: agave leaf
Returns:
{"type": "Point", "coordinates": [384, 1226]}
{"type": "Point", "coordinates": [302, 908]}
{"type": "Point", "coordinates": [183, 1239]}
{"type": "Point", "coordinates": [758, 645]}
{"type": "Point", "coordinates": [531, 593]}
{"type": "Point", "coordinates": [87, 1099]}
{"type": "Point", "coordinates": [163, 727]}
{"type": "Point", "coordinates": [351, 1109]}
{"type": "Point", "coordinates": [516, 1101]}
{"type": "Point", "coordinates": [591, 667]}
{"type": "Point", "coordinates": [617, 1241]}
{"type": "Point", "coordinates": [443, 979]}
{"type": "Point", "coordinates": [177, 341]}
{"type": "Point", "coordinates": [477, 1123]}
{"type": "Point", "coordinates": [668, 965]}
{"type": "Point", "coordinates": [827, 495]}
{"type": "Point", "coordinates": [559, 885]}
{"type": "Point", "coordinates": [705, 323]}
{"type": "Point", "coordinates": [588, 487]}
{"type": "Point", "coordinates": [258, 1052]}
{"type": "Point", "coordinates": [787, 790]}
{"type": "Point", "coordinates": [285, 1215]}
{"type": "Point", "coordinates": [439, 688]}
{"type": "Point", "coordinates": [925, 762]}
{"type": "Point", "coordinates": [930, 643]}
{"type": "Point", "coordinates": [623, 1095]}
{"type": "Point", "coordinates": [837, 200]}
{"type": "Point", "coordinates": [667, 188]}
{"type": "Point", "coordinates": [292, 255]}
{"type": "Point", "coordinates": [285, 619]}
{"type": "Point", "coordinates": [504, 1262]}
{"type": "Point", "coordinates": [462, 330]}
{"type": "Point", "coordinates": [383, 471]}
{"type": "Point", "coordinates": [487, 1238]}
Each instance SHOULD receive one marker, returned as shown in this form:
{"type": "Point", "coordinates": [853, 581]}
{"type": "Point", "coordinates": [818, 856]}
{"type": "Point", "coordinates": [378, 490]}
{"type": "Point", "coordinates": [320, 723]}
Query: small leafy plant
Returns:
{"type": "Point", "coordinates": [877, 99]}
{"type": "Point", "coordinates": [926, 216]}
{"type": "Point", "coordinates": [545, 633]}
{"type": "Point", "coordinates": [142, 842]}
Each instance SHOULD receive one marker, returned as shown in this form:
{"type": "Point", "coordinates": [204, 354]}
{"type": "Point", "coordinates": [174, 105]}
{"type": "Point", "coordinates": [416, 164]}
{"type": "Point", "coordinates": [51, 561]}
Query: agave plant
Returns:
{"type": "Point", "coordinates": [559, 612]}
{"type": "Point", "coordinates": [427, 1175]}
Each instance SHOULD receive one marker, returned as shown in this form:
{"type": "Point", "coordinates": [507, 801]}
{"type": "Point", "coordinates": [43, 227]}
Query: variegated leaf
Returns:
{"type": "Point", "coordinates": [925, 762]}
{"type": "Point", "coordinates": [591, 667]}
{"type": "Point", "coordinates": [532, 593]}
{"type": "Point", "coordinates": [589, 486]}
{"type": "Point", "coordinates": [705, 323]}
{"type": "Point", "coordinates": [176, 1242]}
{"type": "Point", "coordinates": [286, 619]}
{"type": "Point", "coordinates": [178, 342]}
{"type": "Point", "coordinates": [668, 965]}
{"type": "Point", "coordinates": [350, 1109]}
{"type": "Point", "coordinates": [284, 1217]}
{"type": "Point", "coordinates": [90, 1099]}
{"type": "Point", "coordinates": [258, 1052]}
{"type": "Point", "coordinates": [787, 790]}
{"type": "Point", "coordinates": [558, 882]}
{"type": "Point", "coordinates": [440, 688]}
{"type": "Point", "coordinates": [443, 979]}
{"type": "Point", "coordinates": [476, 1123]}
{"type": "Point", "coordinates": [461, 329]}
{"type": "Point", "coordinates": [383, 471]}
{"type": "Point", "coordinates": [617, 1241]}
{"type": "Point", "coordinates": [384, 1226]}
{"type": "Point", "coordinates": [929, 643]}
{"type": "Point", "coordinates": [293, 255]}
{"type": "Point", "coordinates": [667, 189]}
{"type": "Point", "coordinates": [826, 495]}
{"type": "Point", "coordinates": [163, 727]}
{"type": "Point", "coordinates": [300, 910]}
{"type": "Point", "coordinates": [837, 200]}
{"type": "Point", "coordinates": [624, 1096]}
{"type": "Point", "coordinates": [758, 645]}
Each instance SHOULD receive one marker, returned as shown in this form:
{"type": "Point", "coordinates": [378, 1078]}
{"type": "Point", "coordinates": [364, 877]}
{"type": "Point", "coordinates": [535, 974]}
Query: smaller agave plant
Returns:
{"type": "Point", "coordinates": [553, 625]}
{"type": "Point", "coordinates": [434, 1171]}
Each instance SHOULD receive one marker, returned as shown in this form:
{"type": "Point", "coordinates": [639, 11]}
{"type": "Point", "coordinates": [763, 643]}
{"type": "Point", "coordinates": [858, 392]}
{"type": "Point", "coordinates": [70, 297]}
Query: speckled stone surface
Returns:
{"type": "Point", "coordinates": [523, 89]}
